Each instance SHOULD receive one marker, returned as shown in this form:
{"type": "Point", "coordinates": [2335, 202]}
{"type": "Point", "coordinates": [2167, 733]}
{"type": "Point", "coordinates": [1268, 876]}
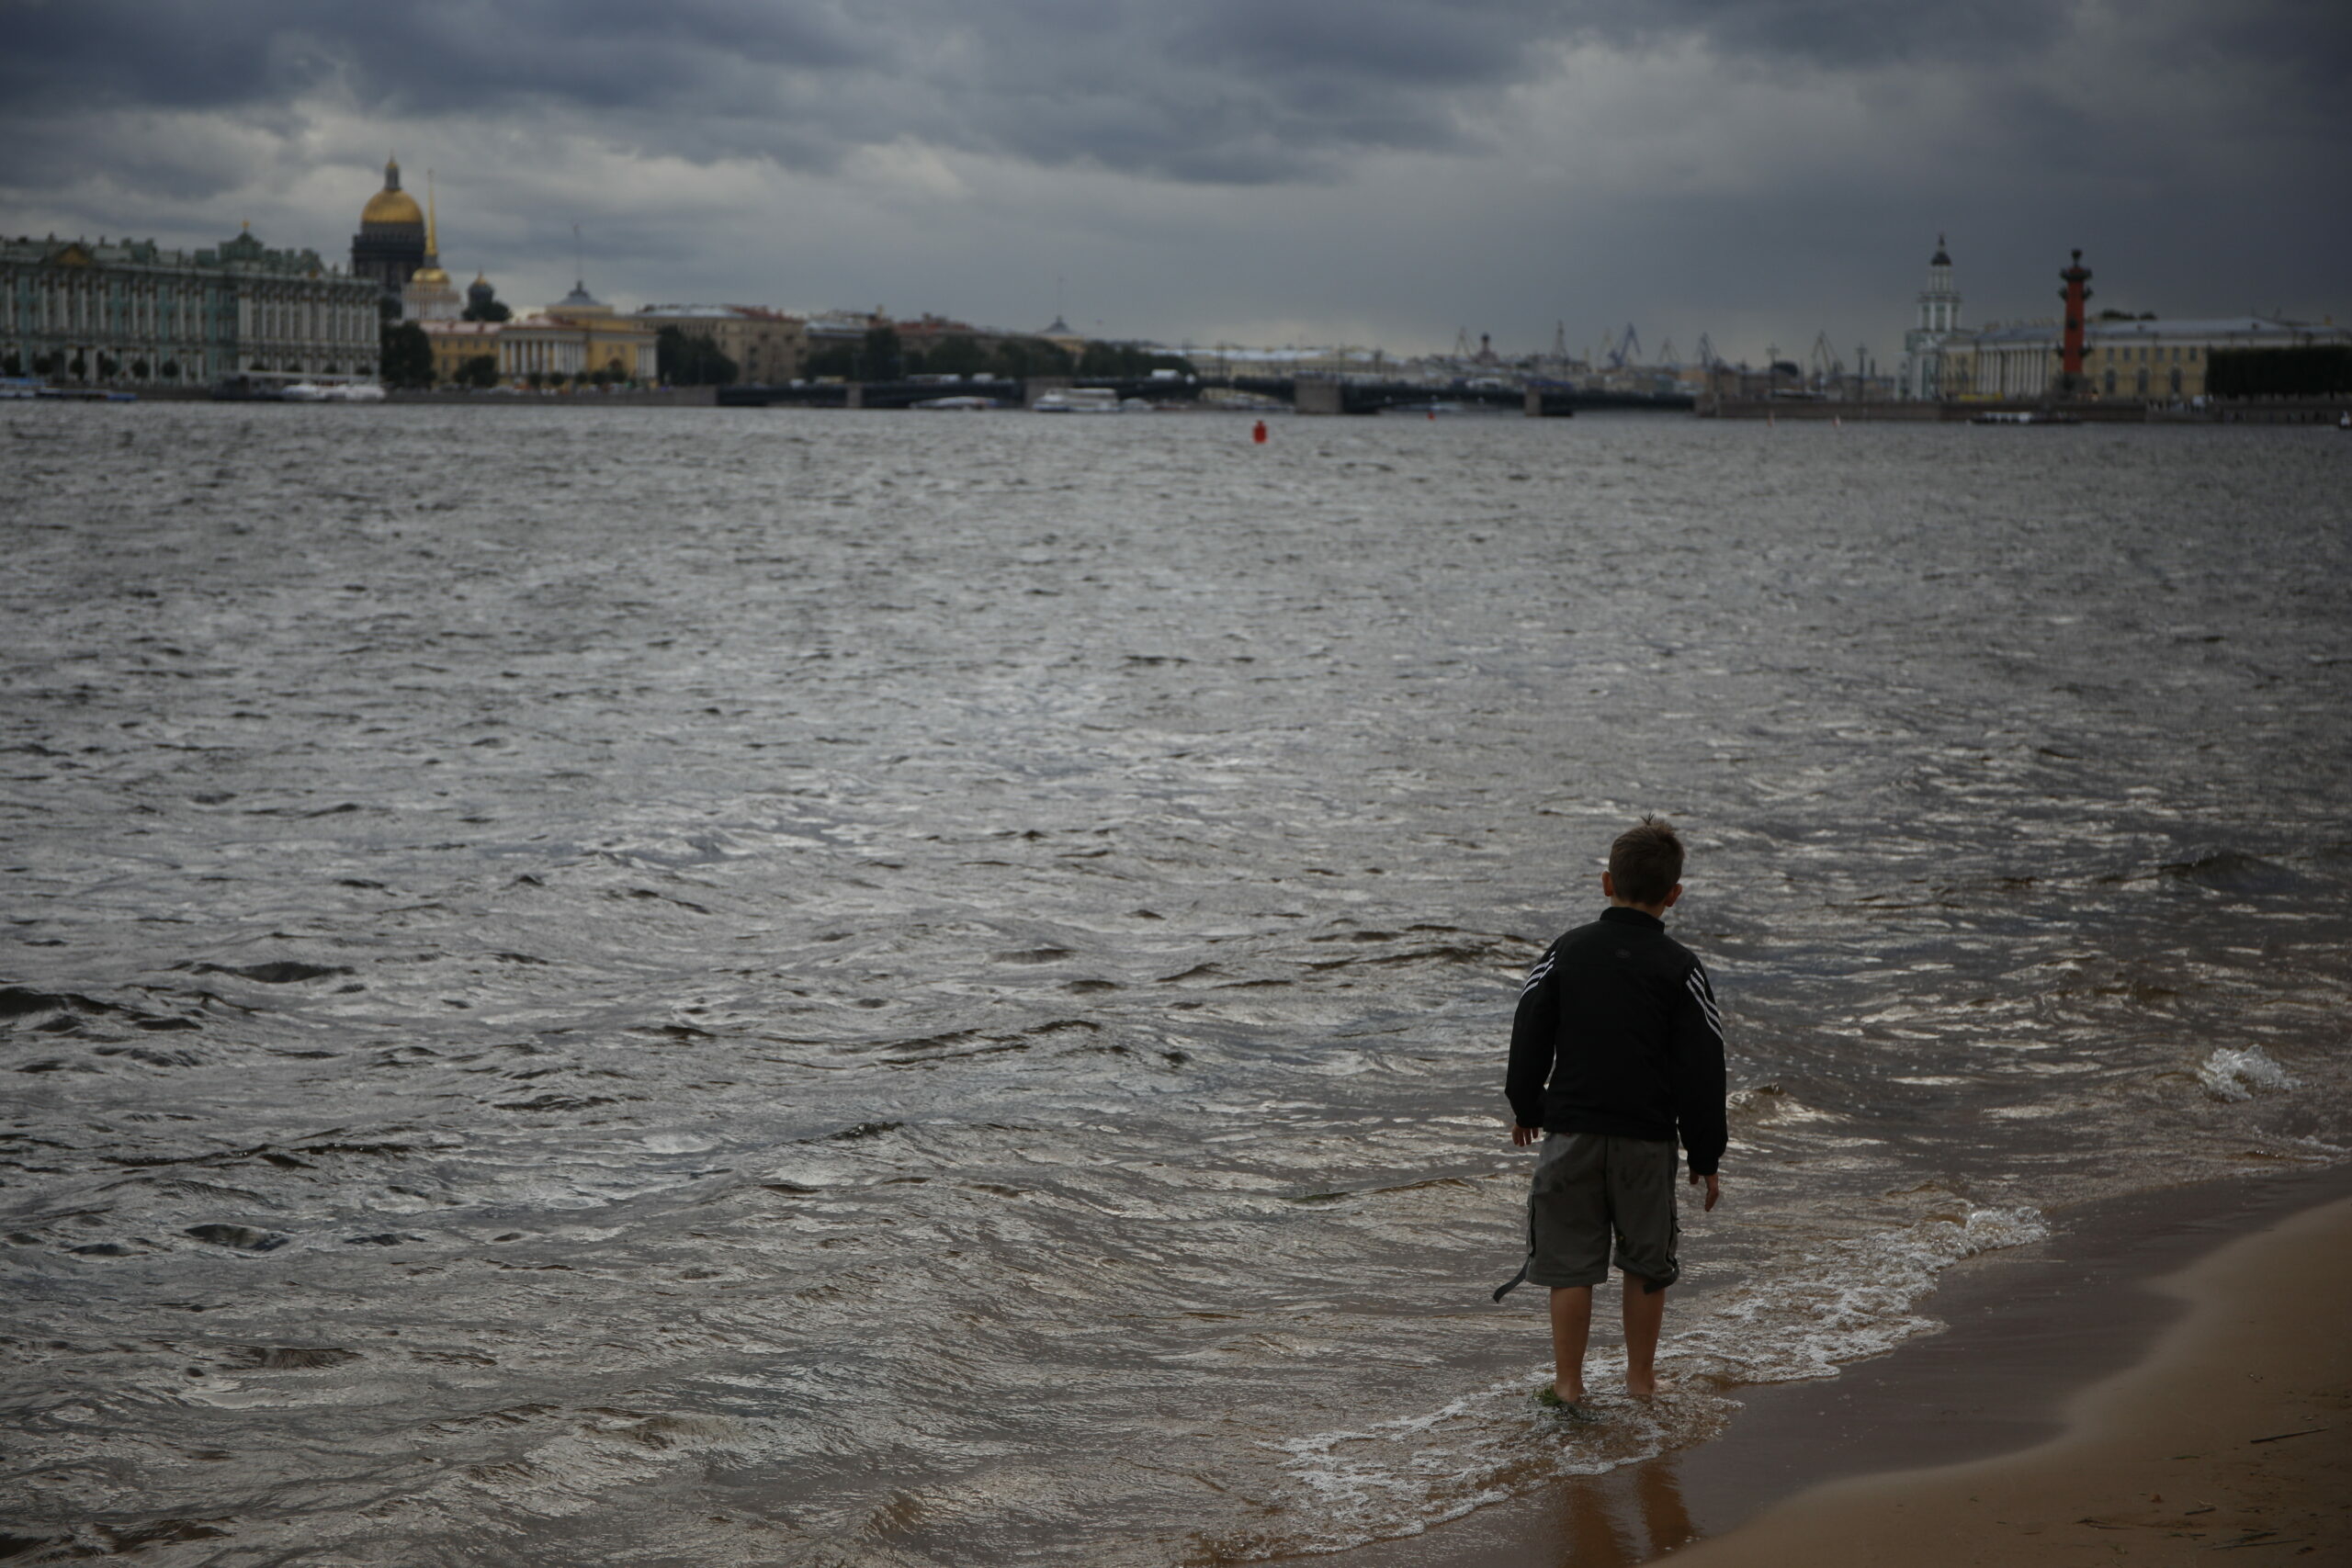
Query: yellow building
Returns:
{"type": "Point", "coordinates": [767, 346]}
{"type": "Point", "coordinates": [1064, 336]}
{"type": "Point", "coordinates": [2141, 361]}
{"type": "Point", "coordinates": [455, 343]}
{"type": "Point", "coordinates": [577, 336]}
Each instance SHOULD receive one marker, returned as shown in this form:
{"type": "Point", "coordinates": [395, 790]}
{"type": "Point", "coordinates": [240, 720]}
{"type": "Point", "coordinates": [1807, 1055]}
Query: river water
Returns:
{"type": "Point", "coordinates": [617, 986]}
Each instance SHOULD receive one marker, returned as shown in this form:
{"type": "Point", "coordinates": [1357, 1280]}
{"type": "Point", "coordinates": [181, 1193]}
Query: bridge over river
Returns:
{"type": "Point", "coordinates": [1308, 394]}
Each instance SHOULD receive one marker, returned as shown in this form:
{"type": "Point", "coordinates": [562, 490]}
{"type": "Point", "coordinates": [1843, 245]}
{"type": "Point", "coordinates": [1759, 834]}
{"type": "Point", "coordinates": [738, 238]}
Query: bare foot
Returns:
{"type": "Point", "coordinates": [1642, 1389]}
{"type": "Point", "coordinates": [1568, 1392]}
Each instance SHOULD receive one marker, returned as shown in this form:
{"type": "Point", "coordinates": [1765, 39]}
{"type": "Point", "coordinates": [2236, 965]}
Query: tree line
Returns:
{"type": "Point", "coordinates": [882, 356]}
{"type": "Point", "coordinates": [694, 359]}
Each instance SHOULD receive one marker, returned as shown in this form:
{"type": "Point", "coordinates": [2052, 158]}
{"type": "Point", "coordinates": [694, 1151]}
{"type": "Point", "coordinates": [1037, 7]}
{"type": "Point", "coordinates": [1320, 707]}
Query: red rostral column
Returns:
{"type": "Point", "coordinates": [2075, 294]}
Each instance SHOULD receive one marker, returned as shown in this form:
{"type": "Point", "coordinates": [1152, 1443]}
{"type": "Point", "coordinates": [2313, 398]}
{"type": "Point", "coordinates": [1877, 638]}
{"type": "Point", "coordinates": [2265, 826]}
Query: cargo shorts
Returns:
{"type": "Point", "coordinates": [1590, 1190]}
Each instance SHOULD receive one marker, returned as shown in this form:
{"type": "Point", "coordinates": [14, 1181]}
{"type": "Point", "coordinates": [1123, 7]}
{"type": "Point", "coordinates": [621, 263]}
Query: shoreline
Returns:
{"type": "Point", "coordinates": [2034, 1334]}
{"type": "Point", "coordinates": [2234, 1431]}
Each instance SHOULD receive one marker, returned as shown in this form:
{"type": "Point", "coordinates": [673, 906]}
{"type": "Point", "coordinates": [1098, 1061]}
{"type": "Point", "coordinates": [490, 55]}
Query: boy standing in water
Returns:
{"type": "Point", "coordinates": [1617, 1047]}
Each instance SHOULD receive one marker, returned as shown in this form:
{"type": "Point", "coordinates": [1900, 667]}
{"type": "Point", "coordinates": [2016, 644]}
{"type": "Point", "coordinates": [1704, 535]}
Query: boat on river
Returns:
{"type": "Point", "coordinates": [1079, 399]}
{"type": "Point", "coordinates": [2023, 416]}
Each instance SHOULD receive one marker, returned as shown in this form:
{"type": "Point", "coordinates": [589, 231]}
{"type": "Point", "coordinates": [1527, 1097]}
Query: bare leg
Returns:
{"type": "Point", "coordinates": [1644, 1314]}
{"type": "Point", "coordinates": [1571, 1325]}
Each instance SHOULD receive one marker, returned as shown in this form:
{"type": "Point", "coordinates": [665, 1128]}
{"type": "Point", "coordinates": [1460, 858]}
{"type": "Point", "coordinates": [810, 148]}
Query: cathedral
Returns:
{"type": "Point", "coordinates": [398, 251]}
{"type": "Point", "coordinates": [390, 246]}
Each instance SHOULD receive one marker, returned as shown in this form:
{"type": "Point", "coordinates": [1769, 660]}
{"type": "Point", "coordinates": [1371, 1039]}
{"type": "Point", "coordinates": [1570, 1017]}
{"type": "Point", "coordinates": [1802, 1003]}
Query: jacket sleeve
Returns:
{"type": "Point", "coordinates": [1535, 1032]}
{"type": "Point", "coordinates": [1698, 1049]}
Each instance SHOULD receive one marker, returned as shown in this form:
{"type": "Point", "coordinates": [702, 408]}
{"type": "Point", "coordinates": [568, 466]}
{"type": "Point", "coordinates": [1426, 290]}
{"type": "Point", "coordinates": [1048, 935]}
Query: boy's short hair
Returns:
{"type": "Point", "coordinates": [1646, 861]}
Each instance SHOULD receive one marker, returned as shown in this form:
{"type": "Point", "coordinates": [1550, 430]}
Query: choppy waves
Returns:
{"type": "Point", "coordinates": [806, 988]}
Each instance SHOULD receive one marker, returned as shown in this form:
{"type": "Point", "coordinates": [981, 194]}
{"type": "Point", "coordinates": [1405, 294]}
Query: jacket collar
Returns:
{"type": "Point", "coordinates": [1622, 914]}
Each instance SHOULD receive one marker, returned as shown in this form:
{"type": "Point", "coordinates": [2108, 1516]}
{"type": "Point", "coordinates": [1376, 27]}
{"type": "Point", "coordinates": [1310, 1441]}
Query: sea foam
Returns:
{"type": "Point", "coordinates": [2242, 1074]}
{"type": "Point", "coordinates": [1854, 1299]}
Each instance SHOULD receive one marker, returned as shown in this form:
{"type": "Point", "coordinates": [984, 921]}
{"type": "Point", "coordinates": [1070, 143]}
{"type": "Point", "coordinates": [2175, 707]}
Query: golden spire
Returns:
{"type": "Point", "coordinates": [430, 273]}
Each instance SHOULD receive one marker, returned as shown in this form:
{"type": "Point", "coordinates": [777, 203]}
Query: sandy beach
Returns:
{"type": "Point", "coordinates": [2235, 1434]}
{"type": "Point", "coordinates": [2133, 1337]}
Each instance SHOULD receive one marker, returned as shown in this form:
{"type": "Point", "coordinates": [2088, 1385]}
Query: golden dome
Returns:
{"type": "Point", "coordinates": [428, 275]}
{"type": "Point", "coordinates": [392, 206]}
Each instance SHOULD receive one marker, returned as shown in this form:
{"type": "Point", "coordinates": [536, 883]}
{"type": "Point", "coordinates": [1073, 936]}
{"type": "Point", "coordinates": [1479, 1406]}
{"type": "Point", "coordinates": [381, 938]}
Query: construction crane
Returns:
{"type": "Point", "coordinates": [1823, 364]}
{"type": "Point", "coordinates": [1666, 356]}
{"type": "Point", "coordinates": [1461, 342]}
{"type": "Point", "coordinates": [1627, 349]}
{"type": "Point", "coordinates": [1707, 354]}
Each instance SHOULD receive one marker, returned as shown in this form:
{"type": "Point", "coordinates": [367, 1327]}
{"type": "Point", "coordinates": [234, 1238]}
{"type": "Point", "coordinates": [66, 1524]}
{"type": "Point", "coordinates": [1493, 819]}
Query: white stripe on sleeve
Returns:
{"type": "Point", "coordinates": [1535, 975]}
{"type": "Point", "coordinates": [1705, 996]}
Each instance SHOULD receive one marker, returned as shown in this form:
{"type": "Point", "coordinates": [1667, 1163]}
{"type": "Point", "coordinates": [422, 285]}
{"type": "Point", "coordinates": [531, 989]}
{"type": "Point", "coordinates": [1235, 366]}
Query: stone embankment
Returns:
{"type": "Point", "coordinates": [2284, 411]}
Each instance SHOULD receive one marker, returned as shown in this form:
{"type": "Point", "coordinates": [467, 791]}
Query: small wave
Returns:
{"type": "Point", "coordinates": [1400, 1477]}
{"type": "Point", "coordinates": [63, 1010]}
{"type": "Point", "coordinates": [2242, 1074]}
{"type": "Point", "coordinates": [244, 1238]}
{"type": "Point", "coordinates": [282, 972]}
{"type": "Point", "coordinates": [2230, 871]}
{"type": "Point", "coordinates": [287, 1358]}
{"type": "Point", "coordinates": [1855, 1300]}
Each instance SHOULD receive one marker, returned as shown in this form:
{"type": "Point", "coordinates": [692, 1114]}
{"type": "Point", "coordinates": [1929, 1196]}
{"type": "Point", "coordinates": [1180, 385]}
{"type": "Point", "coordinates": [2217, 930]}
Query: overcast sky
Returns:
{"type": "Point", "coordinates": [1257, 171]}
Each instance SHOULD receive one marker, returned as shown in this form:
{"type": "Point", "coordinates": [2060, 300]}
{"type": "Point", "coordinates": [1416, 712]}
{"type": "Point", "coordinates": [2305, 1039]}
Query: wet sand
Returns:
{"type": "Point", "coordinates": [2235, 1434]}
{"type": "Point", "coordinates": [2031, 1382]}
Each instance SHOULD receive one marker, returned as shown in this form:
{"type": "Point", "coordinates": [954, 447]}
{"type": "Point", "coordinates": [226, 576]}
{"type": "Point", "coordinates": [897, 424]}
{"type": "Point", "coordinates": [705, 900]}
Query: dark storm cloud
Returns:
{"type": "Point", "coordinates": [1218, 91]}
{"type": "Point", "coordinates": [1223, 90]}
{"type": "Point", "coordinates": [427, 55]}
{"type": "Point", "coordinates": [1601, 148]}
{"type": "Point", "coordinates": [1847, 32]}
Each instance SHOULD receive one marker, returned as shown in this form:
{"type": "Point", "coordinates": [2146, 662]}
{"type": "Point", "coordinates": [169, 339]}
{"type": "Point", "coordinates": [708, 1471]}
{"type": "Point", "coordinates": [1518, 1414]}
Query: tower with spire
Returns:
{"type": "Point", "coordinates": [429, 294]}
{"type": "Point", "coordinates": [1922, 375]}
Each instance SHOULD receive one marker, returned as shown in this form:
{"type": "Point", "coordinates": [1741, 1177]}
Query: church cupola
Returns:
{"type": "Point", "coordinates": [391, 244]}
{"type": "Point", "coordinates": [1940, 302]}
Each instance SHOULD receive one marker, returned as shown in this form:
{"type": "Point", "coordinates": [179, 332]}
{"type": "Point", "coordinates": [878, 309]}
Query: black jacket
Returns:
{"type": "Point", "coordinates": [1618, 1032]}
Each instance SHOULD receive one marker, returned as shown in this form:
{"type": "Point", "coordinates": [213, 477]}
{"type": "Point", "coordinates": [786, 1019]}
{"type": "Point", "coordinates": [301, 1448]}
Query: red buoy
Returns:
{"type": "Point", "coordinates": [1258, 432]}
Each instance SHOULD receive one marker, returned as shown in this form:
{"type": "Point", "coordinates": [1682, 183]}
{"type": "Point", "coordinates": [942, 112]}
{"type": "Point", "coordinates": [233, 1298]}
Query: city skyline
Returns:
{"type": "Point", "coordinates": [1380, 173]}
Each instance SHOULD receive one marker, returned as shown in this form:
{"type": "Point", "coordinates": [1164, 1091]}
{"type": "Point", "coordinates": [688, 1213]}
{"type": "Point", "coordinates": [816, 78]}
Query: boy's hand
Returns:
{"type": "Point", "coordinates": [1522, 1136]}
{"type": "Point", "coordinates": [1715, 1187]}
